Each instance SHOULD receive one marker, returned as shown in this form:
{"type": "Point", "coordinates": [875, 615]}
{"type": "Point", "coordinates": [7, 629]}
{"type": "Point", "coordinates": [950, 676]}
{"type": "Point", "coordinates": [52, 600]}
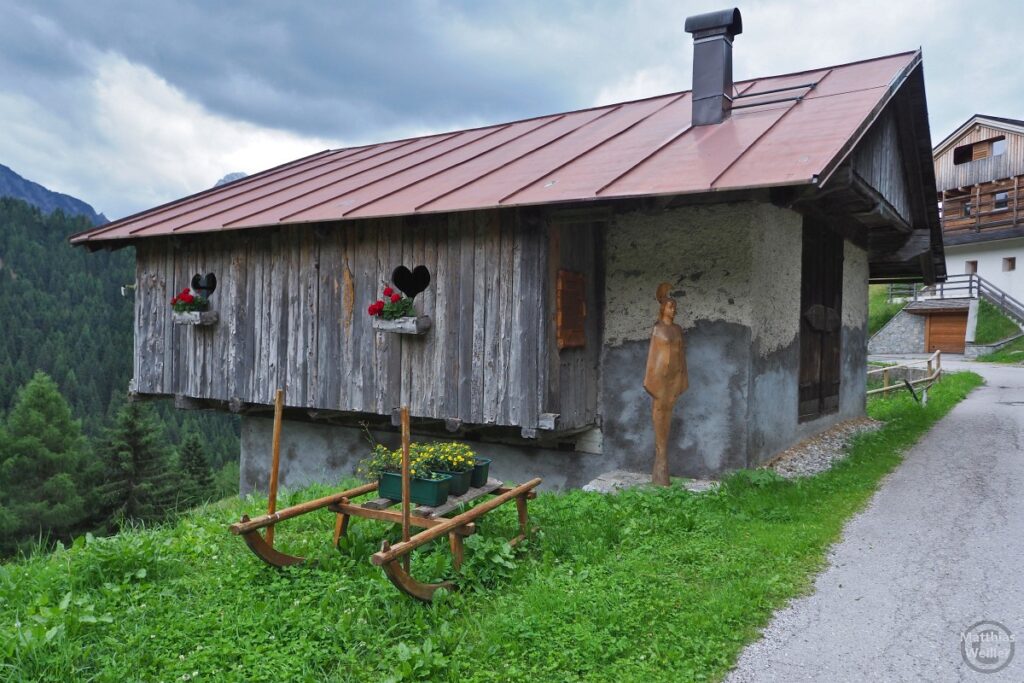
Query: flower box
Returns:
{"type": "Point", "coordinates": [405, 325]}
{"type": "Point", "coordinates": [429, 492]}
{"type": "Point", "coordinates": [480, 472]}
{"type": "Point", "coordinates": [459, 482]}
{"type": "Point", "coordinates": [194, 317]}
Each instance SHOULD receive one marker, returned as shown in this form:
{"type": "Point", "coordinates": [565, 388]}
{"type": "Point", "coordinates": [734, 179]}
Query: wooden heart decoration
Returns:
{"type": "Point", "coordinates": [204, 284]}
{"type": "Point", "coordinates": [411, 282]}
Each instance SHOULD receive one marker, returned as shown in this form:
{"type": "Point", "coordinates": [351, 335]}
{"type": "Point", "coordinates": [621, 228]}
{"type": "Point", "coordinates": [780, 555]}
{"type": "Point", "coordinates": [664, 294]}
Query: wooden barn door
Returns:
{"type": "Point", "coordinates": [821, 300]}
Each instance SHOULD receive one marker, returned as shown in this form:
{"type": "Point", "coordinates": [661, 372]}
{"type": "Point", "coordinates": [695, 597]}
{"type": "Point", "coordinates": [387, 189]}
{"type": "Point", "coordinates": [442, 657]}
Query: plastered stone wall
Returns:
{"type": "Point", "coordinates": [735, 273]}
{"type": "Point", "coordinates": [704, 252]}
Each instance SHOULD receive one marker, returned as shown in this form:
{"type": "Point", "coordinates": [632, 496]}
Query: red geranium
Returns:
{"type": "Point", "coordinates": [394, 298]}
{"type": "Point", "coordinates": [388, 291]}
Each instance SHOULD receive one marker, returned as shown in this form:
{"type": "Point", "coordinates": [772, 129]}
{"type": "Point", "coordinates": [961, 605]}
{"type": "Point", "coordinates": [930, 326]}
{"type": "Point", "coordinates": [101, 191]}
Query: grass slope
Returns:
{"type": "Point", "coordinates": [880, 311]}
{"type": "Point", "coordinates": [1011, 353]}
{"type": "Point", "coordinates": [993, 326]}
{"type": "Point", "coordinates": [656, 585]}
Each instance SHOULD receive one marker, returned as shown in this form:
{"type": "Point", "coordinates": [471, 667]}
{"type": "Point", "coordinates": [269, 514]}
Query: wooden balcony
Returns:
{"type": "Point", "coordinates": [983, 212]}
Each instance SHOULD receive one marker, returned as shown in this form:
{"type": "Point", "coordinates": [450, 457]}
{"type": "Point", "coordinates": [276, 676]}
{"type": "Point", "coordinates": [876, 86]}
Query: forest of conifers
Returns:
{"type": "Point", "coordinates": [66, 356]}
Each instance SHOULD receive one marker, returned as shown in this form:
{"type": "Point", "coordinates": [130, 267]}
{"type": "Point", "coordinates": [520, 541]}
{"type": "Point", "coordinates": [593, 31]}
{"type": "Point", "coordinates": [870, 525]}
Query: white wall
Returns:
{"type": "Point", "coordinates": [989, 256]}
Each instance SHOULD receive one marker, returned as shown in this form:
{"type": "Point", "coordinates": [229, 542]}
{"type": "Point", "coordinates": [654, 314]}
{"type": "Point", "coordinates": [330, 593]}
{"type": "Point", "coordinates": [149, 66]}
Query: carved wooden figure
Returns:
{"type": "Point", "coordinates": [665, 379]}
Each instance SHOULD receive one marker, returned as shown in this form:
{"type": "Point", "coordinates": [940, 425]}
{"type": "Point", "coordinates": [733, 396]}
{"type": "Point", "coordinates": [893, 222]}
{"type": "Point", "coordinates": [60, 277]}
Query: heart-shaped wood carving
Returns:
{"type": "Point", "coordinates": [411, 282]}
{"type": "Point", "coordinates": [204, 284]}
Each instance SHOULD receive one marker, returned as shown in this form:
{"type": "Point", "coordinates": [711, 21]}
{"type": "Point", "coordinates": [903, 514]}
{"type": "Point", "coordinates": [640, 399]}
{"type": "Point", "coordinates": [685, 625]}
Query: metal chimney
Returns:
{"type": "Point", "coordinates": [712, 63]}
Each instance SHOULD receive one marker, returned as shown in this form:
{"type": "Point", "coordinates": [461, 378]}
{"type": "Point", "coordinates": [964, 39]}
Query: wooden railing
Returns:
{"type": "Point", "coordinates": [985, 210]}
{"type": "Point", "coordinates": [966, 286]}
{"type": "Point", "coordinates": [933, 362]}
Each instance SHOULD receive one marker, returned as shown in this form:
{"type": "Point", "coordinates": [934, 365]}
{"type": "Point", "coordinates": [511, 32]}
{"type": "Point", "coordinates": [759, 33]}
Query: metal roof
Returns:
{"type": "Point", "coordinates": [785, 130]}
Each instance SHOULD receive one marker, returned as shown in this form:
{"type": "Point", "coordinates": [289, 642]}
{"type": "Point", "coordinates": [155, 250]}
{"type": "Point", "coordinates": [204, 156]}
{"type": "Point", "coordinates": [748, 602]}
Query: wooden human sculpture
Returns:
{"type": "Point", "coordinates": [665, 379]}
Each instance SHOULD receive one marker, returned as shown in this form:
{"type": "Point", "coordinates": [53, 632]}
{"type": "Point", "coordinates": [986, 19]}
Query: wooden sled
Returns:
{"type": "Point", "coordinates": [393, 559]}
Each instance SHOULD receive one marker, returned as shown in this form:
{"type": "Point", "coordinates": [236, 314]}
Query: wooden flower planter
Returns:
{"type": "Point", "coordinates": [194, 318]}
{"type": "Point", "coordinates": [407, 325]}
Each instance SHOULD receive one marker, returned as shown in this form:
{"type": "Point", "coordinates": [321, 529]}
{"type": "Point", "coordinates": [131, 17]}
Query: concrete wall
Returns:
{"type": "Point", "coordinates": [904, 333]}
{"type": "Point", "coordinates": [312, 452]}
{"type": "Point", "coordinates": [989, 256]}
{"type": "Point", "coordinates": [735, 273]}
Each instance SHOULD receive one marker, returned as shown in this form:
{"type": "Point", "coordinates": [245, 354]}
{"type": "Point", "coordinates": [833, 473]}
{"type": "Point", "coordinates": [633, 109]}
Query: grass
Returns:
{"type": "Point", "coordinates": [653, 585]}
{"type": "Point", "coordinates": [993, 326]}
{"type": "Point", "coordinates": [880, 311]}
{"type": "Point", "coordinates": [1011, 353]}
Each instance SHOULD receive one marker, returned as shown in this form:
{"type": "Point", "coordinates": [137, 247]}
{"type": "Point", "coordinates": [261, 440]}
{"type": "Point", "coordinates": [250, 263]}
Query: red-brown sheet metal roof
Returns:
{"type": "Point", "coordinates": [639, 148]}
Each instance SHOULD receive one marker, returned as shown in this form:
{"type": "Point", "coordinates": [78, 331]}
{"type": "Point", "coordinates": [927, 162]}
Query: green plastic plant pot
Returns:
{"type": "Point", "coordinates": [459, 483]}
{"type": "Point", "coordinates": [430, 492]}
{"type": "Point", "coordinates": [480, 472]}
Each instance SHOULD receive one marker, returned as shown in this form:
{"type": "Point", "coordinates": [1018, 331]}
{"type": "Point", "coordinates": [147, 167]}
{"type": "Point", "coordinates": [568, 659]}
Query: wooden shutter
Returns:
{"type": "Point", "coordinates": [572, 310]}
{"type": "Point", "coordinates": [821, 299]}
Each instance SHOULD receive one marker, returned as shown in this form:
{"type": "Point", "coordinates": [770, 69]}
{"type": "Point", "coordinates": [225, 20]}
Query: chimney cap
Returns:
{"type": "Point", "coordinates": [727, 21]}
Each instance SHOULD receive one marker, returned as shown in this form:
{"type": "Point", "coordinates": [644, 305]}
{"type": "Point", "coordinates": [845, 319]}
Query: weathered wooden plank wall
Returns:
{"type": "Point", "coordinates": [950, 176]}
{"type": "Point", "coordinates": [576, 374]}
{"type": "Point", "coordinates": [879, 161]}
{"type": "Point", "coordinates": [292, 305]}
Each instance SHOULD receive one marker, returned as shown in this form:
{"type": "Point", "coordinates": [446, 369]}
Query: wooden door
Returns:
{"type": "Point", "coordinates": [945, 332]}
{"type": "Point", "coordinates": [821, 300]}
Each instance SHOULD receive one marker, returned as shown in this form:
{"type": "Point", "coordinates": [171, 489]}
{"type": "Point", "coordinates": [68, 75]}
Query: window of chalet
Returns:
{"type": "Point", "coordinates": [967, 209]}
{"type": "Point", "coordinates": [976, 151]}
{"type": "Point", "coordinates": [1009, 263]}
{"type": "Point", "coordinates": [962, 154]}
{"type": "Point", "coordinates": [1002, 201]}
{"type": "Point", "coordinates": [971, 267]}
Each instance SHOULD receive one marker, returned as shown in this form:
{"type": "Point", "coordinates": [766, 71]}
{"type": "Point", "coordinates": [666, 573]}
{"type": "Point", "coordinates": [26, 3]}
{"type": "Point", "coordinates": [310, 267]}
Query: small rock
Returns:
{"type": "Point", "coordinates": [616, 480]}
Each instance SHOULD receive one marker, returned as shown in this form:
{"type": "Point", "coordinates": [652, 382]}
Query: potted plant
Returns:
{"type": "Point", "coordinates": [425, 486]}
{"type": "Point", "coordinates": [454, 459]}
{"type": "Point", "coordinates": [394, 312]}
{"type": "Point", "coordinates": [481, 470]}
{"type": "Point", "coordinates": [191, 308]}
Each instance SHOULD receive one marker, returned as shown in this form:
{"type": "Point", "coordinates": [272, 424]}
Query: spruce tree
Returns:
{"type": "Point", "coordinates": [196, 469]}
{"type": "Point", "coordinates": [138, 481]}
{"type": "Point", "coordinates": [42, 459]}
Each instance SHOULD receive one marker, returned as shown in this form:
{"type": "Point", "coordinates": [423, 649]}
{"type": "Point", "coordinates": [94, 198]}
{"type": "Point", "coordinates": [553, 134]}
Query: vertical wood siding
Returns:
{"type": "Point", "coordinates": [879, 161]}
{"type": "Point", "coordinates": [292, 305]}
{"type": "Point", "coordinates": [950, 176]}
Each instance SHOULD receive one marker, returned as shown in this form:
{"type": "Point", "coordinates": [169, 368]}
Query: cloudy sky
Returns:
{"type": "Point", "coordinates": [131, 104]}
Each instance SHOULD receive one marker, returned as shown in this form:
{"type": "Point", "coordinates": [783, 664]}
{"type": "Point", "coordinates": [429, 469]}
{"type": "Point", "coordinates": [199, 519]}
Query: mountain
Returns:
{"type": "Point", "coordinates": [230, 178]}
{"type": "Point", "coordinates": [47, 201]}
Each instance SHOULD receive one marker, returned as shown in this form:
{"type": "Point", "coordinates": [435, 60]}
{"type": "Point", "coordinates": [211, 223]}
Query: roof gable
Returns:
{"type": "Point", "coordinates": [997, 122]}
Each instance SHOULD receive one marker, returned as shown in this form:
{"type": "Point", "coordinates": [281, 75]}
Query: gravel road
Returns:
{"type": "Point", "coordinates": [940, 548]}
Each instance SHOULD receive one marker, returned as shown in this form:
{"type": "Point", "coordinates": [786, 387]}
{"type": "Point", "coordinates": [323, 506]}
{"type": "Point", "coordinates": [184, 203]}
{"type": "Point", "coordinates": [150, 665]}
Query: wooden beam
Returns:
{"type": "Point", "coordinates": [404, 548]}
{"type": "Point", "coordinates": [264, 521]}
{"type": "Point", "coordinates": [275, 462]}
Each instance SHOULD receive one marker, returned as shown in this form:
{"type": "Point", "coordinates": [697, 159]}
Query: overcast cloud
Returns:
{"type": "Point", "coordinates": [126, 104]}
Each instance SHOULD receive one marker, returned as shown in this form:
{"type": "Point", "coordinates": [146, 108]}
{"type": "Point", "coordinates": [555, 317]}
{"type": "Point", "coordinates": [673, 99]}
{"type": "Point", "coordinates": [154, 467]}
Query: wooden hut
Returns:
{"type": "Point", "coordinates": [766, 203]}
